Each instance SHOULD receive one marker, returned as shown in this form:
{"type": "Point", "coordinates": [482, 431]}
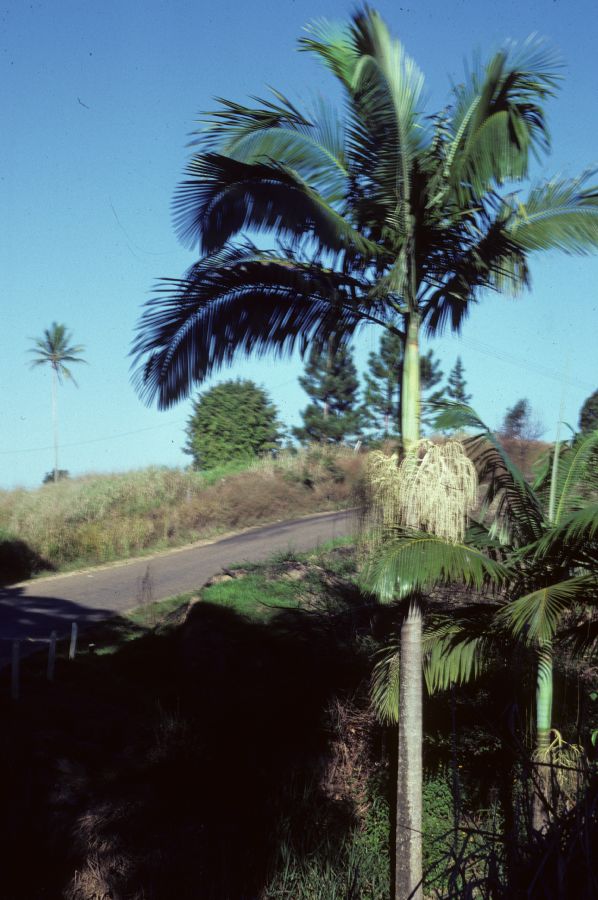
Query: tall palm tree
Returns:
{"type": "Point", "coordinates": [381, 215]}
{"type": "Point", "coordinates": [54, 350]}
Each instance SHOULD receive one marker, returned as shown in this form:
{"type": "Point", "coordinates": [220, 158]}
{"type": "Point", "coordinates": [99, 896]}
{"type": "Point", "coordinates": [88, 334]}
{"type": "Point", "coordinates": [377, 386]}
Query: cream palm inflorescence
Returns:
{"type": "Point", "coordinates": [432, 489]}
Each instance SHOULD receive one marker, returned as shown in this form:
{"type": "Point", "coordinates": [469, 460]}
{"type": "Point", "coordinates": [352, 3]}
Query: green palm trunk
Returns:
{"type": "Point", "coordinates": [544, 691]}
{"type": "Point", "coordinates": [410, 391]}
{"type": "Point", "coordinates": [545, 681]}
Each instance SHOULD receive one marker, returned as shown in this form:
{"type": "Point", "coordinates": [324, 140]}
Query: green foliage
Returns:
{"type": "Point", "coordinates": [331, 381]}
{"type": "Point", "coordinates": [456, 384]}
{"type": "Point", "coordinates": [519, 422]}
{"type": "Point", "coordinates": [54, 349]}
{"type": "Point", "coordinates": [515, 419]}
{"type": "Point", "coordinates": [417, 561]}
{"type": "Point", "coordinates": [360, 867]}
{"type": "Point", "coordinates": [588, 415]}
{"type": "Point", "coordinates": [383, 385]}
{"type": "Point", "coordinates": [234, 420]}
{"type": "Point", "coordinates": [52, 476]}
{"type": "Point", "coordinates": [437, 825]}
{"type": "Point", "coordinates": [254, 595]}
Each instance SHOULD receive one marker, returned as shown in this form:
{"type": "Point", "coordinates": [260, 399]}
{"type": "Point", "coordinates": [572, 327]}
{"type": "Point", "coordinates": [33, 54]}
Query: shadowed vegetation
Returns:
{"type": "Point", "coordinates": [221, 747]}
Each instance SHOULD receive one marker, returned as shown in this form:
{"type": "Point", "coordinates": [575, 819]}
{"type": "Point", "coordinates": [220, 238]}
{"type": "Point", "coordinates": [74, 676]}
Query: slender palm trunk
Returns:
{"type": "Point", "coordinates": [542, 799]}
{"type": "Point", "coordinates": [408, 848]}
{"type": "Point", "coordinates": [55, 424]}
{"type": "Point", "coordinates": [410, 388]}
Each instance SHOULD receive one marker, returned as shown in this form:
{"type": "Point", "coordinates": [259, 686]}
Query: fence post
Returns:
{"type": "Point", "coordinates": [51, 657]}
{"type": "Point", "coordinates": [73, 646]}
{"type": "Point", "coordinates": [14, 675]}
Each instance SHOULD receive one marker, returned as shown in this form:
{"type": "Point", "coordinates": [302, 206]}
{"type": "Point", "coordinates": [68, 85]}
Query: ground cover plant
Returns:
{"type": "Point", "coordinates": [97, 519]}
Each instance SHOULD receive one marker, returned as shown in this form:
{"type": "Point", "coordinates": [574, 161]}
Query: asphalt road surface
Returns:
{"type": "Point", "coordinates": [30, 611]}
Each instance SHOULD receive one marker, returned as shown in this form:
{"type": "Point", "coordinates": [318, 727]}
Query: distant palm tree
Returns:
{"type": "Point", "coordinates": [54, 349]}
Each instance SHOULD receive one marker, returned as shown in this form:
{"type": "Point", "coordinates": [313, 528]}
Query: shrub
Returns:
{"type": "Point", "coordinates": [233, 420]}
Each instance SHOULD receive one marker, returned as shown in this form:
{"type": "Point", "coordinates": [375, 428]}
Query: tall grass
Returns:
{"type": "Point", "coordinates": [99, 518]}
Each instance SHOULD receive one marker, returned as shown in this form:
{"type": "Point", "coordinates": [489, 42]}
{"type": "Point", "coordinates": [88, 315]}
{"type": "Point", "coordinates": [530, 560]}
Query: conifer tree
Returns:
{"type": "Point", "coordinates": [382, 395]}
{"type": "Point", "coordinates": [331, 382]}
{"type": "Point", "coordinates": [382, 392]}
{"type": "Point", "coordinates": [457, 384]}
{"type": "Point", "coordinates": [430, 374]}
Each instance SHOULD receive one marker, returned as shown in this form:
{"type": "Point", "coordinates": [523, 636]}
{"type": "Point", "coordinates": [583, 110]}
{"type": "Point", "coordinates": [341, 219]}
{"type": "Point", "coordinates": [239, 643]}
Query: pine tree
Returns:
{"type": "Point", "coordinates": [457, 384]}
{"type": "Point", "coordinates": [430, 375]}
{"type": "Point", "coordinates": [382, 395]}
{"type": "Point", "coordinates": [330, 381]}
{"type": "Point", "coordinates": [520, 423]}
{"type": "Point", "coordinates": [382, 392]}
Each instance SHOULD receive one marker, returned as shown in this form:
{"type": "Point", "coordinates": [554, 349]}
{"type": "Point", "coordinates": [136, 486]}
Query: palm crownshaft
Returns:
{"type": "Point", "coordinates": [54, 350]}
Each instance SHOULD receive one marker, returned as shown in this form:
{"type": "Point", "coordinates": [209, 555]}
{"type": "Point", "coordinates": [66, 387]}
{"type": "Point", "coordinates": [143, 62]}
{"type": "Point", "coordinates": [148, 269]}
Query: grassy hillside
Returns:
{"type": "Point", "coordinates": [99, 518]}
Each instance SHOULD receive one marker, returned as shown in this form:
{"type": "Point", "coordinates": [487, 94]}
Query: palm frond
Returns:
{"type": "Point", "coordinates": [222, 129]}
{"type": "Point", "coordinates": [498, 118]}
{"type": "Point", "coordinates": [483, 256]}
{"type": "Point", "coordinates": [384, 685]}
{"type": "Point", "coordinates": [224, 196]}
{"type": "Point", "coordinates": [575, 475]}
{"type": "Point", "coordinates": [417, 561]}
{"type": "Point", "coordinates": [454, 656]}
{"type": "Point", "coordinates": [535, 616]}
{"type": "Point", "coordinates": [386, 94]}
{"type": "Point", "coordinates": [559, 214]}
{"type": "Point", "coordinates": [335, 47]}
{"type": "Point", "coordinates": [581, 639]}
{"type": "Point", "coordinates": [572, 532]}
{"type": "Point", "coordinates": [452, 416]}
{"type": "Point", "coordinates": [54, 349]}
{"type": "Point", "coordinates": [313, 145]}
{"type": "Point", "coordinates": [237, 301]}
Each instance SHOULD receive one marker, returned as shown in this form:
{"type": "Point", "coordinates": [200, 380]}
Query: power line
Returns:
{"type": "Point", "coordinates": [545, 371]}
{"type": "Point", "coordinates": [97, 440]}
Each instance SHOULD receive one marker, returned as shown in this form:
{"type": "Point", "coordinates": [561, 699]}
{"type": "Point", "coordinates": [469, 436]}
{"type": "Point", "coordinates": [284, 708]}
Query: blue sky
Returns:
{"type": "Point", "coordinates": [97, 103]}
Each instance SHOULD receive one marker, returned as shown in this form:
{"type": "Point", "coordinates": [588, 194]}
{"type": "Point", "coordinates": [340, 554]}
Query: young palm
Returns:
{"type": "Point", "coordinates": [538, 559]}
{"type": "Point", "coordinates": [54, 350]}
{"type": "Point", "coordinates": [381, 215]}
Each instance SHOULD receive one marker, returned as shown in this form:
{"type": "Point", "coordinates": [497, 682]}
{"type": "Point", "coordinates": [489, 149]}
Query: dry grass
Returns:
{"type": "Point", "coordinates": [99, 518]}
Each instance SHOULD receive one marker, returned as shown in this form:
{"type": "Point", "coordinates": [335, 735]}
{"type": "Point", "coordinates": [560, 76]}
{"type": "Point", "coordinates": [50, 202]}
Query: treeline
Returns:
{"type": "Point", "coordinates": [237, 419]}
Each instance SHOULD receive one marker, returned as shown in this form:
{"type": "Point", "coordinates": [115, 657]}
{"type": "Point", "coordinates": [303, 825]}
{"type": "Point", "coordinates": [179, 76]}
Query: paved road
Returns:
{"type": "Point", "coordinates": [31, 611]}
